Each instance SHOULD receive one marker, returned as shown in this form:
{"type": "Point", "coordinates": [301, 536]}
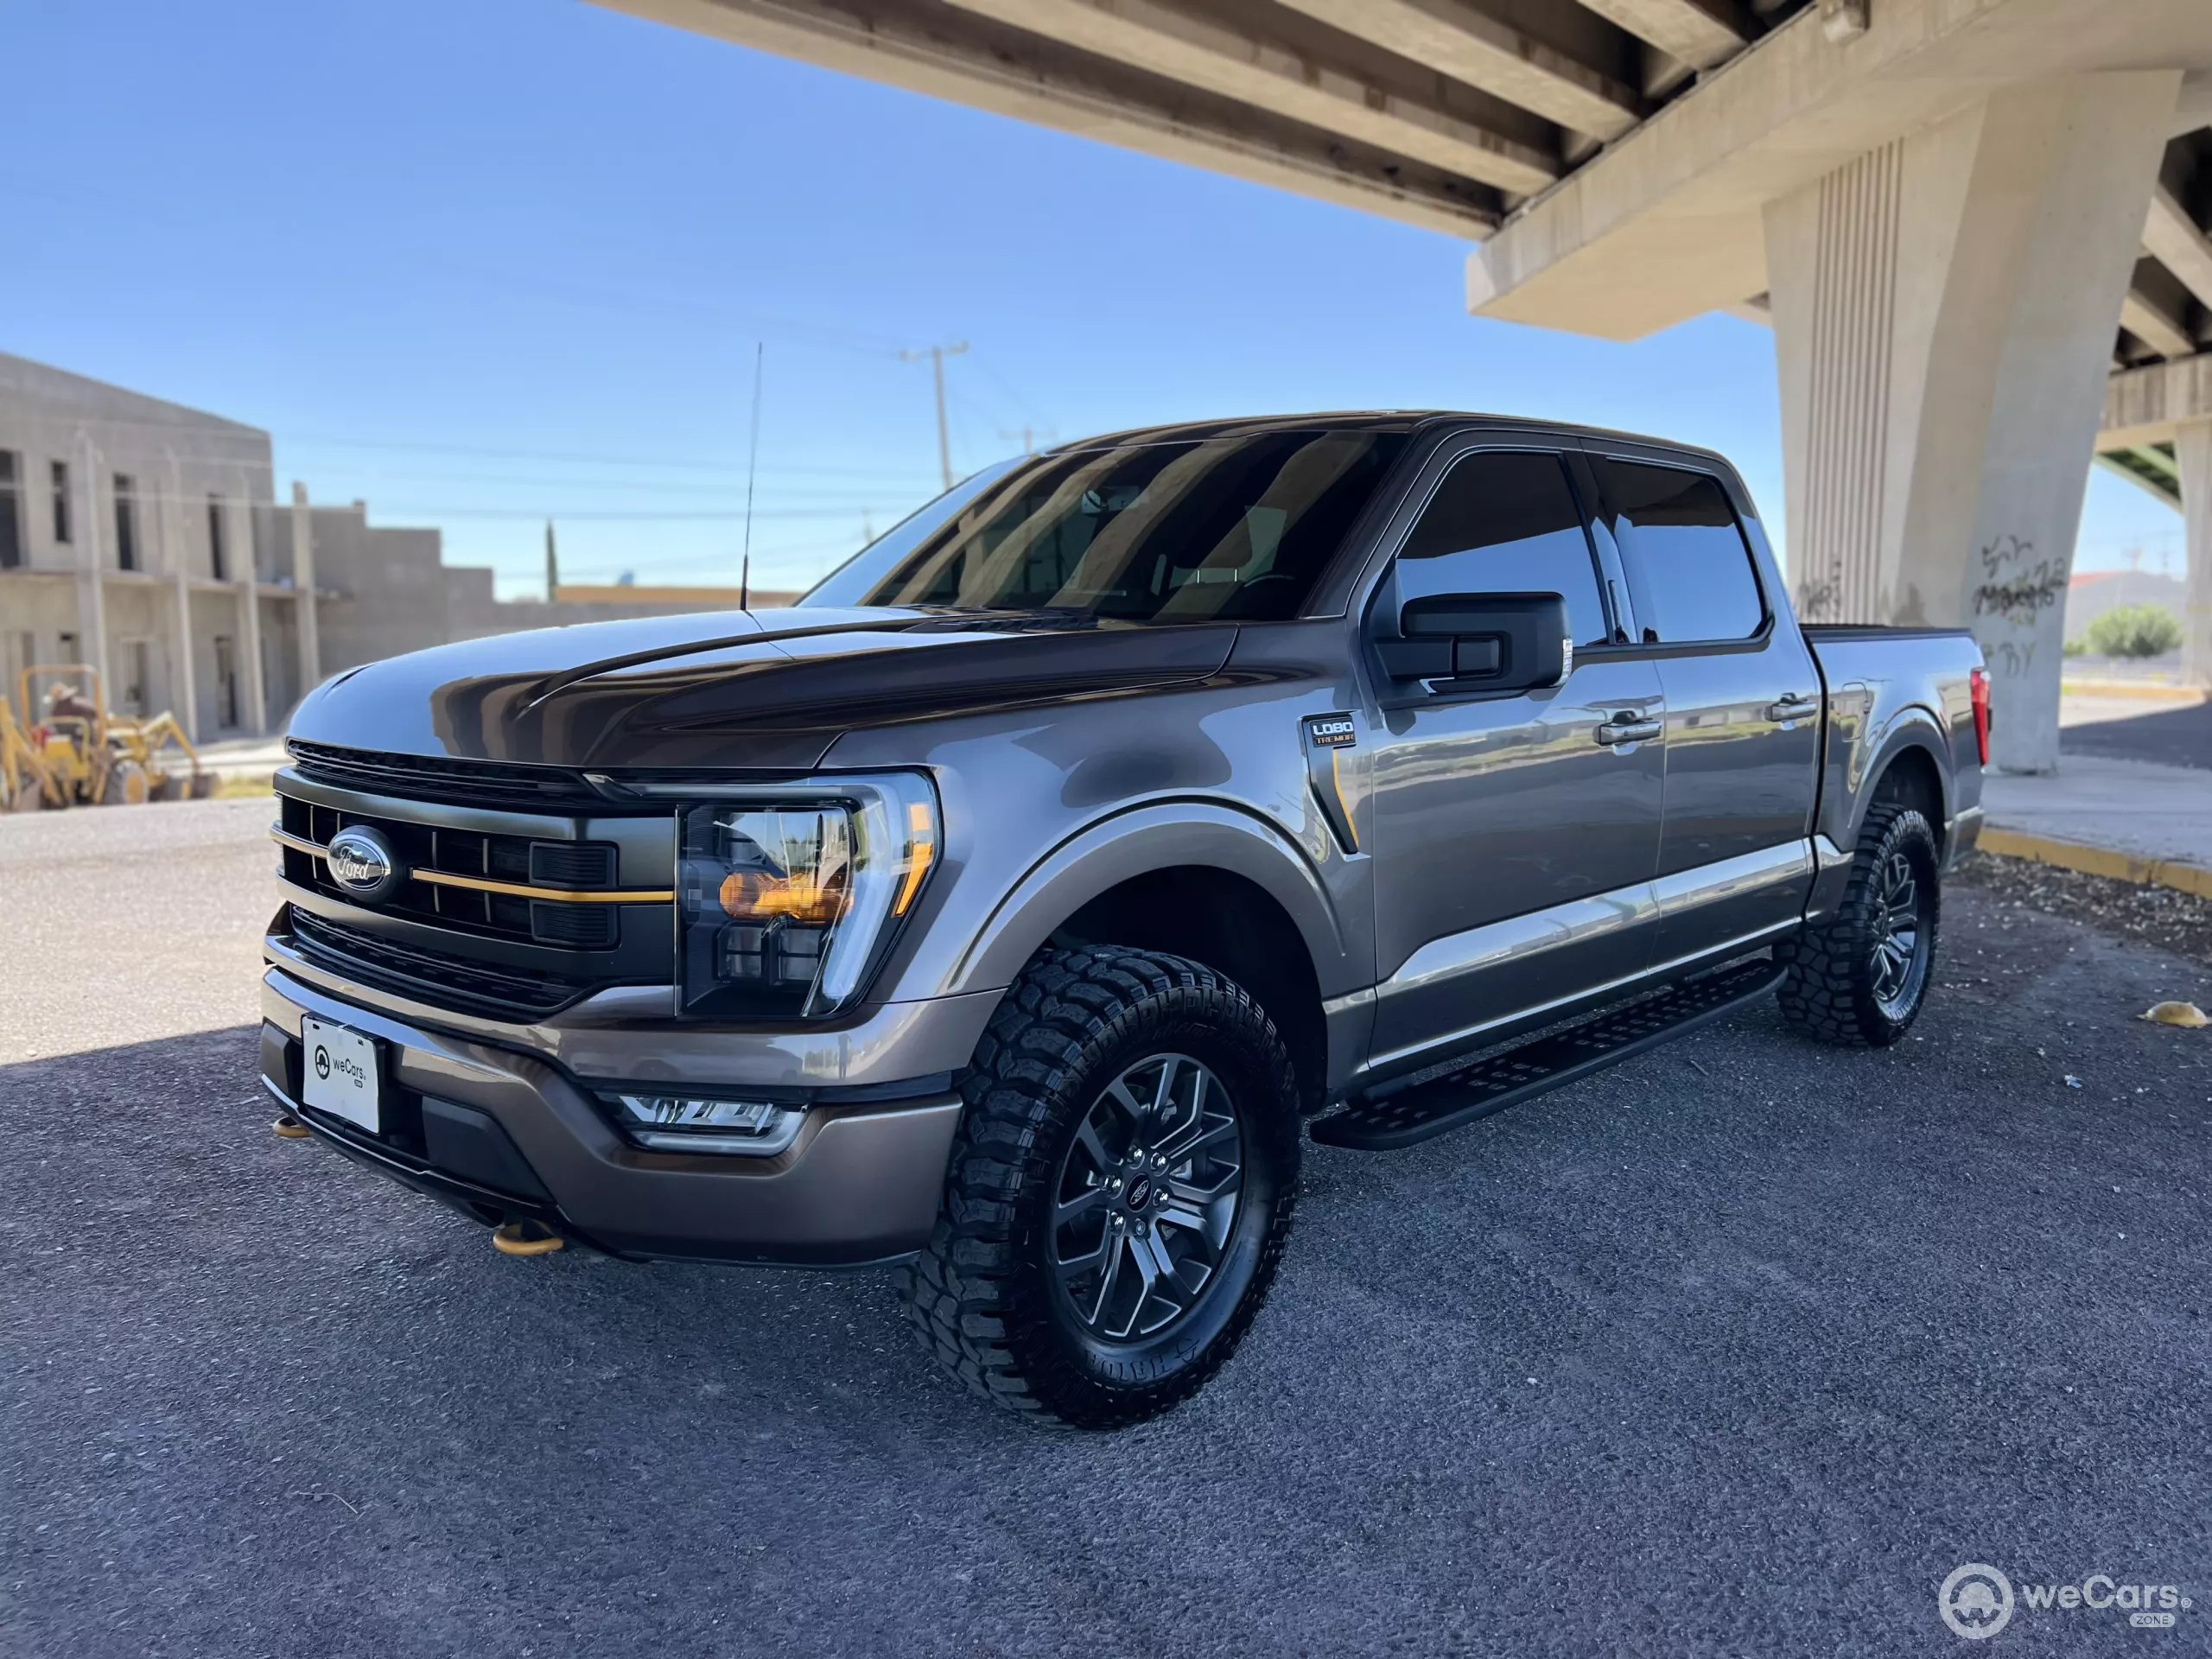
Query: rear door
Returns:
{"type": "Point", "coordinates": [1515, 833]}
{"type": "Point", "coordinates": [1742, 695]}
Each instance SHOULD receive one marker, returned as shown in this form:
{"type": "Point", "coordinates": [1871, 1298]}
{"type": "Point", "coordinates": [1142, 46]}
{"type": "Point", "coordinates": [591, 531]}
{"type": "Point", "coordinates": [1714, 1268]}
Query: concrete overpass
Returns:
{"type": "Point", "coordinates": [1961, 217]}
{"type": "Point", "coordinates": [2158, 429]}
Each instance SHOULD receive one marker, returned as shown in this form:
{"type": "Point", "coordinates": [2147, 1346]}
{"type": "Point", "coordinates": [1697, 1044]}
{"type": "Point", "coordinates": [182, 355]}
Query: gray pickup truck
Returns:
{"type": "Point", "coordinates": [1014, 907]}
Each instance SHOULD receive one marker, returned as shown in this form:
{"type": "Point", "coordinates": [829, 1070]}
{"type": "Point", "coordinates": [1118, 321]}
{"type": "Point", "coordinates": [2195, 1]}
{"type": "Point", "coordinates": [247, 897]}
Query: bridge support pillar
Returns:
{"type": "Point", "coordinates": [2193, 458]}
{"type": "Point", "coordinates": [1944, 310]}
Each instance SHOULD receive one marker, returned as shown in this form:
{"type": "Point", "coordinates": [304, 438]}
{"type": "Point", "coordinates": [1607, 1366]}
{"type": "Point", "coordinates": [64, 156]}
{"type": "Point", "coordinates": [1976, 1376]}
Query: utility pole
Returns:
{"type": "Point", "coordinates": [936, 354]}
{"type": "Point", "coordinates": [552, 566]}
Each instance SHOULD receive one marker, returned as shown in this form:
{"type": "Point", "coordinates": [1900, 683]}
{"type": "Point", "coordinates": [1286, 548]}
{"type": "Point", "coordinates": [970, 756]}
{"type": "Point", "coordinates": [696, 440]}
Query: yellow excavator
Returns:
{"type": "Point", "coordinates": [25, 783]}
{"type": "Point", "coordinates": [78, 752]}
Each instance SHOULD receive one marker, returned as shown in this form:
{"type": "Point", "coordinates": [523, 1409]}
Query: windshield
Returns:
{"type": "Point", "coordinates": [1192, 531]}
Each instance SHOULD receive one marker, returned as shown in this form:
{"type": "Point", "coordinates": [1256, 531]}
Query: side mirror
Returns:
{"type": "Point", "coordinates": [1482, 642]}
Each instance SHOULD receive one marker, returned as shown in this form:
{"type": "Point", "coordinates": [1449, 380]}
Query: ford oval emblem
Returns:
{"type": "Point", "coordinates": [362, 862]}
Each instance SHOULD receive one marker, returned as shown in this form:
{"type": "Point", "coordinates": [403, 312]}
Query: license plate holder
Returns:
{"type": "Point", "coordinates": [341, 1073]}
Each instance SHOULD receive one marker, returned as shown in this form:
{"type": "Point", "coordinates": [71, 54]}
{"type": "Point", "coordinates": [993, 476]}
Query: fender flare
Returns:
{"type": "Point", "coordinates": [1914, 727]}
{"type": "Point", "coordinates": [1138, 841]}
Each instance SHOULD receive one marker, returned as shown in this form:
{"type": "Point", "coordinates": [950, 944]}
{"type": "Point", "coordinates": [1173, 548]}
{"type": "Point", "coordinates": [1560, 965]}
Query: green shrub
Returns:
{"type": "Point", "coordinates": [2135, 630]}
{"type": "Point", "coordinates": [2074, 648]}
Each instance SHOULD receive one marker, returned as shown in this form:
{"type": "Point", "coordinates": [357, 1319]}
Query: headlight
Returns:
{"type": "Point", "coordinates": [787, 903]}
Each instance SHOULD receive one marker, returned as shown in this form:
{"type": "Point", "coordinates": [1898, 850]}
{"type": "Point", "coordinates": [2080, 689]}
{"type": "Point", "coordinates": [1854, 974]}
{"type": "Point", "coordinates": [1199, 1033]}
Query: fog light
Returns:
{"type": "Point", "coordinates": [758, 1129]}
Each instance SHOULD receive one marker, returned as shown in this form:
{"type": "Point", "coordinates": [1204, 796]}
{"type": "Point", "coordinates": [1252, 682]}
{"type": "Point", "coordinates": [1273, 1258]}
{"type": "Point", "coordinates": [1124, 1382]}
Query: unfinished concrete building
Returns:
{"type": "Point", "coordinates": [134, 536]}
{"type": "Point", "coordinates": [145, 539]}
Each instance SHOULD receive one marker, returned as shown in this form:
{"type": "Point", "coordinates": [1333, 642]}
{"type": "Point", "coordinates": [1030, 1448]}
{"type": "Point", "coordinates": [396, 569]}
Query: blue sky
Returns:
{"type": "Point", "coordinates": [487, 262]}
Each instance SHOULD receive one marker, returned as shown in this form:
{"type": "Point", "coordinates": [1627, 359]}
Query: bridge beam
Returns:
{"type": "Point", "coordinates": [1457, 40]}
{"type": "Point", "coordinates": [1944, 308]}
{"type": "Point", "coordinates": [1192, 48]}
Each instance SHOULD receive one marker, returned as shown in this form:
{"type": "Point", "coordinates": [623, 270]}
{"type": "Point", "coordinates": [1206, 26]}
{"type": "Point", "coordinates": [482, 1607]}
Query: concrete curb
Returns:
{"type": "Point", "coordinates": [2145, 691]}
{"type": "Point", "coordinates": [2098, 860]}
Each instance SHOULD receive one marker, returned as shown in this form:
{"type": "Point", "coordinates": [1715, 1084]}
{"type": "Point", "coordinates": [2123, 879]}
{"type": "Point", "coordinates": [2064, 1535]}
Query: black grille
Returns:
{"type": "Point", "coordinates": [572, 863]}
{"type": "Point", "coordinates": [439, 777]}
{"type": "Point", "coordinates": [577, 866]}
{"type": "Point", "coordinates": [432, 977]}
{"type": "Point", "coordinates": [584, 927]}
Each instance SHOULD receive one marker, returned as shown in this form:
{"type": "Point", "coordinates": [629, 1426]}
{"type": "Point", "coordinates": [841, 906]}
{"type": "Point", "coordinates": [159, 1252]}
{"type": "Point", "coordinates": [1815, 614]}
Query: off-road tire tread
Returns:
{"type": "Point", "coordinates": [1826, 992]}
{"type": "Point", "coordinates": [961, 1295]}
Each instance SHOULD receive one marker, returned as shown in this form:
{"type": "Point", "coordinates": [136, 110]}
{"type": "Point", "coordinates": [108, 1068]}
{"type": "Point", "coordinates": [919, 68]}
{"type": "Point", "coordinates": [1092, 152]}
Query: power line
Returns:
{"type": "Point", "coordinates": [503, 283]}
{"type": "Point", "coordinates": [824, 493]}
{"type": "Point", "coordinates": [250, 435]}
{"type": "Point", "coordinates": [1029, 409]}
{"type": "Point", "coordinates": [533, 515]}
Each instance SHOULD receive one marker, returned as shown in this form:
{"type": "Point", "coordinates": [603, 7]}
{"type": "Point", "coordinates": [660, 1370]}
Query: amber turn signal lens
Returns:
{"type": "Point", "coordinates": [921, 853]}
{"type": "Point", "coordinates": [761, 895]}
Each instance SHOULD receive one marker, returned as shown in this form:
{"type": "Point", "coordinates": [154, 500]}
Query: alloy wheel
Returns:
{"type": "Point", "coordinates": [1147, 1199]}
{"type": "Point", "coordinates": [1898, 957]}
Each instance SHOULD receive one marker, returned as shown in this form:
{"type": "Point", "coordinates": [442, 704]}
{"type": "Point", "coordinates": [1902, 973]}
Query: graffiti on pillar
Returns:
{"type": "Point", "coordinates": [2015, 585]}
{"type": "Point", "coordinates": [2016, 591]}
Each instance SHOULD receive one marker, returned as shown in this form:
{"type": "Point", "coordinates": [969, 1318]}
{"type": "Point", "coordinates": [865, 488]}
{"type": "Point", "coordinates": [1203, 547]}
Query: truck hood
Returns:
{"type": "Point", "coordinates": [772, 690]}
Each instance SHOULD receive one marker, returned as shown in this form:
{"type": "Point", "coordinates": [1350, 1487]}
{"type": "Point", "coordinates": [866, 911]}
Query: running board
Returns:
{"type": "Point", "coordinates": [1513, 1075]}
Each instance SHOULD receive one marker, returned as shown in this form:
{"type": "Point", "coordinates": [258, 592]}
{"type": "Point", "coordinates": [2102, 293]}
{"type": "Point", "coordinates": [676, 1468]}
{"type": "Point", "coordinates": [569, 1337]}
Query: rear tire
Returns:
{"type": "Point", "coordinates": [1067, 1276]}
{"type": "Point", "coordinates": [1860, 976]}
{"type": "Point", "coordinates": [126, 784]}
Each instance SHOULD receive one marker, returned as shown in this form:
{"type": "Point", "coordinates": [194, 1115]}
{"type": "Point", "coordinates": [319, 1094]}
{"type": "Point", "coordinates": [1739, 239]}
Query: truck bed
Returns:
{"type": "Point", "coordinates": [1878, 680]}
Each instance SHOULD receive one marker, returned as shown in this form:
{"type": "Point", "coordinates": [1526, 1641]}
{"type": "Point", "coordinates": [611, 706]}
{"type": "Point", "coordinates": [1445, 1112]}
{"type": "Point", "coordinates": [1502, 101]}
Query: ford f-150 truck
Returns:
{"type": "Point", "coordinates": [1014, 907]}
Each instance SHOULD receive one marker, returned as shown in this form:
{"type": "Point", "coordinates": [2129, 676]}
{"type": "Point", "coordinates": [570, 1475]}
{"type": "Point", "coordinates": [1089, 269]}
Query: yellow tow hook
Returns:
{"type": "Point", "coordinates": [525, 1238]}
{"type": "Point", "coordinates": [289, 1127]}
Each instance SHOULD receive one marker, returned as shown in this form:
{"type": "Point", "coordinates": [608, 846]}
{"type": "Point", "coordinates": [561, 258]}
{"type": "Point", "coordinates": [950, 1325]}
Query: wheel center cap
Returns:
{"type": "Point", "coordinates": [1139, 1192]}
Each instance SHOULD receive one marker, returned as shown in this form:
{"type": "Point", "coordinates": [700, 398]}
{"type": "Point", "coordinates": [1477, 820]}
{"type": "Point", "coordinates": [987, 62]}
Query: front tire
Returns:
{"type": "Point", "coordinates": [1120, 1190]}
{"type": "Point", "coordinates": [1859, 977]}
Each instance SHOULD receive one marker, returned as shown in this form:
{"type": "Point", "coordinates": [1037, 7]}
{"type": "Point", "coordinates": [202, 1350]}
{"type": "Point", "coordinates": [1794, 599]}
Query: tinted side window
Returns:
{"type": "Point", "coordinates": [1697, 567]}
{"type": "Point", "coordinates": [1504, 521]}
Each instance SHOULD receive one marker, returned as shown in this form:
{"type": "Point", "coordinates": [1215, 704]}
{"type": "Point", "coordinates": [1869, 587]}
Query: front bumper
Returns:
{"type": "Point", "coordinates": [501, 1133]}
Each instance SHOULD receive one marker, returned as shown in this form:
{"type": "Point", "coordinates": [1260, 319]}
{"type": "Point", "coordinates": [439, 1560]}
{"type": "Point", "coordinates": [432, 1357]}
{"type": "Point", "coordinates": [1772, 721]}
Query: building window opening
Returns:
{"type": "Point", "coordinates": [126, 522]}
{"type": "Point", "coordinates": [226, 680]}
{"type": "Point", "coordinates": [11, 510]}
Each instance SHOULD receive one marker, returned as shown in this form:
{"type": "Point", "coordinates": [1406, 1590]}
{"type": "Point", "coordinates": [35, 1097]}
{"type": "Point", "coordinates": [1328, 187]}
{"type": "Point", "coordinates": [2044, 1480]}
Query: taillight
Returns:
{"type": "Point", "coordinates": [1979, 685]}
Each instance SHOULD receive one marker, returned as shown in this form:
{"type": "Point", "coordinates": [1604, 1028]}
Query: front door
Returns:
{"type": "Point", "coordinates": [1742, 708]}
{"type": "Point", "coordinates": [1516, 834]}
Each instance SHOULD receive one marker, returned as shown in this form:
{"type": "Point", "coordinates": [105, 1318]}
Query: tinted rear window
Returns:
{"type": "Point", "coordinates": [1236, 529]}
{"type": "Point", "coordinates": [1697, 567]}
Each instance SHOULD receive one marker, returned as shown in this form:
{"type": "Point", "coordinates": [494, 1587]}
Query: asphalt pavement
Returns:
{"type": "Point", "coordinates": [1739, 1348]}
{"type": "Point", "coordinates": [2170, 734]}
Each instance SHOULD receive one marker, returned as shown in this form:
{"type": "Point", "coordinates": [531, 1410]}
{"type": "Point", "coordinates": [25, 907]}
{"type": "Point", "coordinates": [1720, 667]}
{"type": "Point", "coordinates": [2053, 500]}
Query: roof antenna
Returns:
{"type": "Point", "coordinates": [751, 466]}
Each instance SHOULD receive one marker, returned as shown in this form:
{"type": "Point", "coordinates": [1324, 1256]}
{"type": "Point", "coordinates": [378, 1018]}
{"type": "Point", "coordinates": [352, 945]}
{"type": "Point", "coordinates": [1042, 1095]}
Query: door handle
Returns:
{"type": "Point", "coordinates": [1795, 706]}
{"type": "Point", "coordinates": [1627, 727]}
